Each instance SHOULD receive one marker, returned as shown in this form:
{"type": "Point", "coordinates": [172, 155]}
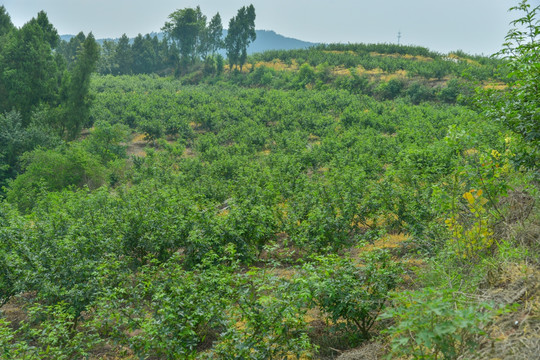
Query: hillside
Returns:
{"type": "Point", "coordinates": [342, 201]}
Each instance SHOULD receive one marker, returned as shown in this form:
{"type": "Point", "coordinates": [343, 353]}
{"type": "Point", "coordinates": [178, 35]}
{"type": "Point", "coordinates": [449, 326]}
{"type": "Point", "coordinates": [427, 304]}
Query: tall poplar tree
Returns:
{"type": "Point", "coordinates": [240, 34]}
{"type": "Point", "coordinates": [123, 57]}
{"type": "Point", "coordinates": [76, 105]}
{"type": "Point", "coordinates": [215, 34]}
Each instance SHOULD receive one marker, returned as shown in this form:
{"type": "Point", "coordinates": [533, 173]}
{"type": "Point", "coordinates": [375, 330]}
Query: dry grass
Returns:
{"type": "Point", "coordinates": [341, 71]}
{"type": "Point", "coordinates": [400, 74]}
{"type": "Point", "coordinates": [495, 86]}
{"type": "Point", "coordinates": [108, 352]}
{"type": "Point", "coordinates": [188, 153]}
{"type": "Point", "coordinates": [404, 56]}
{"type": "Point", "coordinates": [373, 72]}
{"type": "Point", "coordinates": [278, 65]}
{"type": "Point", "coordinates": [350, 52]}
{"type": "Point", "coordinates": [458, 58]}
{"type": "Point", "coordinates": [245, 68]}
{"type": "Point", "coordinates": [138, 138]}
{"type": "Point", "coordinates": [136, 146]}
{"type": "Point", "coordinates": [369, 351]}
{"type": "Point", "coordinates": [391, 241]}
{"type": "Point", "coordinates": [13, 311]}
{"type": "Point", "coordinates": [521, 219]}
{"type": "Point", "coordinates": [514, 335]}
{"type": "Point", "coordinates": [470, 152]}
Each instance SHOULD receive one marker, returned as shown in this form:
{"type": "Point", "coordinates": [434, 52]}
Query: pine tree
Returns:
{"type": "Point", "coordinates": [5, 22]}
{"type": "Point", "coordinates": [123, 56]}
{"type": "Point", "coordinates": [29, 70]}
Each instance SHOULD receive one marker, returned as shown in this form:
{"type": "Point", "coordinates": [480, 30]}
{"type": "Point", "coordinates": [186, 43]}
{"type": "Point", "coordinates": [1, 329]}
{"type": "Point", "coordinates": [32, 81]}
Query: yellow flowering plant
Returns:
{"type": "Point", "coordinates": [472, 237]}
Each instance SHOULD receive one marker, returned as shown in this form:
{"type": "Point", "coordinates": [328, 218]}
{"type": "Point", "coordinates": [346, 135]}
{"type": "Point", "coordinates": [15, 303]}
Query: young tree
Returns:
{"type": "Point", "coordinates": [144, 56]}
{"type": "Point", "coordinates": [49, 32]}
{"type": "Point", "coordinates": [248, 32]}
{"type": "Point", "coordinates": [519, 108]}
{"type": "Point", "coordinates": [203, 43]}
{"type": "Point", "coordinates": [167, 55]}
{"type": "Point", "coordinates": [210, 42]}
{"type": "Point", "coordinates": [232, 42]}
{"type": "Point", "coordinates": [240, 34]}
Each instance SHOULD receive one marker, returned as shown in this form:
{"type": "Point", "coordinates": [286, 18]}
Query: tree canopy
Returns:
{"type": "Point", "coordinates": [185, 28]}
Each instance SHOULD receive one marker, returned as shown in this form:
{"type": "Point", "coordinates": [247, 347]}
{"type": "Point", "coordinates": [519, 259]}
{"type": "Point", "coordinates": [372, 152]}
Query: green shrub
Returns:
{"type": "Point", "coordinates": [53, 331]}
{"type": "Point", "coordinates": [418, 93]}
{"type": "Point", "coordinates": [54, 170]}
{"type": "Point", "coordinates": [167, 310]}
{"type": "Point", "coordinates": [354, 294]}
{"type": "Point", "coordinates": [435, 324]}
{"type": "Point", "coordinates": [390, 90]}
{"type": "Point", "coordinates": [267, 320]}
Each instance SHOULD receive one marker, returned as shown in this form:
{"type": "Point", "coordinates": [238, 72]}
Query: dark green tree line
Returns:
{"type": "Point", "coordinates": [44, 96]}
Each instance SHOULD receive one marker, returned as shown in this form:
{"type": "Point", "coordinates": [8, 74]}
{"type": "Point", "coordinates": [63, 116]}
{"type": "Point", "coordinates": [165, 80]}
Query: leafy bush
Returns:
{"type": "Point", "coordinates": [11, 347]}
{"type": "Point", "coordinates": [54, 330]}
{"type": "Point", "coordinates": [356, 294]}
{"type": "Point", "coordinates": [267, 320]}
{"type": "Point", "coordinates": [49, 333]}
{"type": "Point", "coordinates": [54, 170]}
{"type": "Point", "coordinates": [164, 310]}
{"type": "Point", "coordinates": [390, 90]}
{"type": "Point", "coordinates": [518, 108]}
{"type": "Point", "coordinates": [418, 93]}
{"type": "Point", "coordinates": [474, 240]}
{"type": "Point", "coordinates": [434, 324]}
{"type": "Point", "coordinates": [106, 140]}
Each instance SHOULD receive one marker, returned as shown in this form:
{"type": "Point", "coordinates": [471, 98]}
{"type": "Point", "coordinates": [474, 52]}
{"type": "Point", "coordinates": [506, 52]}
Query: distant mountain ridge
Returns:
{"type": "Point", "coordinates": [266, 40]}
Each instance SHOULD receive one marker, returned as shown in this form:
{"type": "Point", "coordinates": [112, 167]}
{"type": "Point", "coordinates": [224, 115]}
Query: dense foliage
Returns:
{"type": "Point", "coordinates": [41, 100]}
{"type": "Point", "coordinates": [261, 213]}
{"type": "Point", "coordinates": [518, 109]}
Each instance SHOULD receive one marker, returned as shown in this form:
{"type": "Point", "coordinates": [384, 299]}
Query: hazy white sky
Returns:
{"type": "Point", "coordinates": [475, 26]}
